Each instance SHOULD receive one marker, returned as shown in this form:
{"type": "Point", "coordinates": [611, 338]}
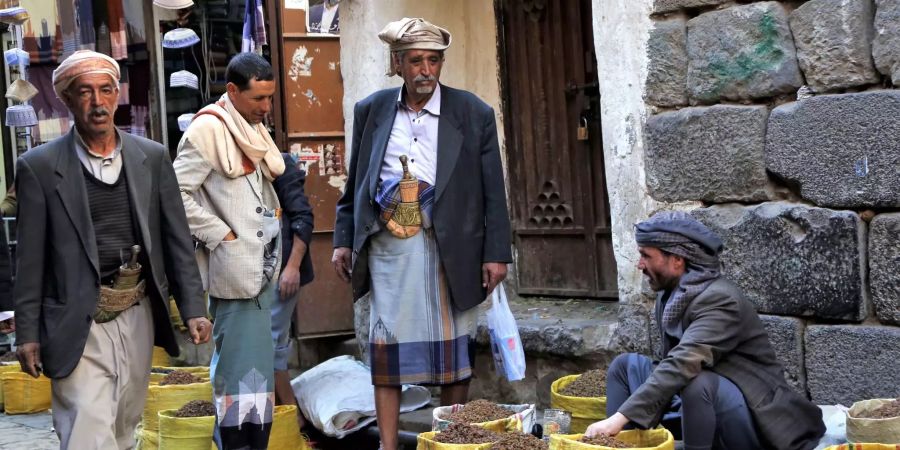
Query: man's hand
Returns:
{"type": "Point", "coordinates": [341, 260]}
{"type": "Point", "coordinates": [230, 236]}
{"type": "Point", "coordinates": [200, 329]}
{"type": "Point", "coordinates": [491, 275]}
{"type": "Point", "coordinates": [289, 282]}
{"type": "Point", "coordinates": [29, 355]}
{"type": "Point", "coordinates": [608, 427]}
{"type": "Point", "coordinates": [8, 326]}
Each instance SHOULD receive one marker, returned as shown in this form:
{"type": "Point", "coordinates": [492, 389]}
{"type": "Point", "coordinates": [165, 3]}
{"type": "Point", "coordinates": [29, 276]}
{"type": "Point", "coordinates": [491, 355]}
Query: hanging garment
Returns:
{"type": "Point", "coordinates": [254, 36]}
{"type": "Point", "coordinates": [116, 21]}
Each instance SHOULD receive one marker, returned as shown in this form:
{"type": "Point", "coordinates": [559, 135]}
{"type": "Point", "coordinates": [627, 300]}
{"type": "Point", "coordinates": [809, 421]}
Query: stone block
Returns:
{"type": "Point", "coordinates": [840, 150]}
{"type": "Point", "coordinates": [833, 43]}
{"type": "Point", "coordinates": [886, 43]}
{"type": "Point", "coordinates": [713, 154]}
{"type": "Point", "coordinates": [667, 69]}
{"type": "Point", "coordinates": [662, 6]}
{"type": "Point", "coordinates": [742, 52]}
{"type": "Point", "coordinates": [845, 363]}
{"type": "Point", "coordinates": [793, 259]}
{"type": "Point", "coordinates": [786, 337]}
{"type": "Point", "coordinates": [884, 263]}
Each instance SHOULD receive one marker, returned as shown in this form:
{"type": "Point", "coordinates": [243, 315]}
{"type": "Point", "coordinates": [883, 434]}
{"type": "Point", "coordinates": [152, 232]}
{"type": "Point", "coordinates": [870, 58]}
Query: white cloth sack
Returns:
{"type": "Point", "coordinates": [506, 345]}
{"type": "Point", "coordinates": [337, 396]}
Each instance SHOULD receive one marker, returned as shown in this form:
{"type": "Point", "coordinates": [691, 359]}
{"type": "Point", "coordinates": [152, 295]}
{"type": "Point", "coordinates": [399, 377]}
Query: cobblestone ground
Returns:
{"type": "Point", "coordinates": [27, 431]}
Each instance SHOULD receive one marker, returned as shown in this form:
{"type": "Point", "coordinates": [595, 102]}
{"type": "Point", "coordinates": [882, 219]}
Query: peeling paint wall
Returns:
{"type": "Point", "coordinates": [471, 61]}
{"type": "Point", "coordinates": [621, 34]}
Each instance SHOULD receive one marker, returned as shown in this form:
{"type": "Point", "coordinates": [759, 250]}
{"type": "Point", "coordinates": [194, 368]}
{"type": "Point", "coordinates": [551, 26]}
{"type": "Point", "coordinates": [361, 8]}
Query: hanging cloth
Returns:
{"type": "Point", "coordinates": [116, 21]}
{"type": "Point", "coordinates": [68, 28]}
{"type": "Point", "coordinates": [84, 22]}
{"type": "Point", "coordinates": [254, 36]}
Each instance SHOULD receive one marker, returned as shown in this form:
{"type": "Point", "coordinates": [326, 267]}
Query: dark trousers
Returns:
{"type": "Point", "coordinates": [711, 410]}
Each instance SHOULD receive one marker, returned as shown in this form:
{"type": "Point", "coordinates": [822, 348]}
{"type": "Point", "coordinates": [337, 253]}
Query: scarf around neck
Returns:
{"type": "Point", "coordinates": [255, 146]}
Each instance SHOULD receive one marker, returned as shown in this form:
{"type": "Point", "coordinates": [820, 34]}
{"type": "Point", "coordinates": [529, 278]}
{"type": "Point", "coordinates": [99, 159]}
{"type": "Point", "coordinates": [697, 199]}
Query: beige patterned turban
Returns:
{"type": "Point", "coordinates": [413, 34]}
{"type": "Point", "coordinates": [83, 62]}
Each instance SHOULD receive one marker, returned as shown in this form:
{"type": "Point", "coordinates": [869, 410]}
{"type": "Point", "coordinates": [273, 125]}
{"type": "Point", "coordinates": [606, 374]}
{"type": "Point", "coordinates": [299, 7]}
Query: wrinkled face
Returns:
{"type": "Point", "coordinates": [93, 99]}
{"type": "Point", "coordinates": [663, 270]}
{"type": "Point", "coordinates": [421, 70]}
{"type": "Point", "coordinates": [255, 102]}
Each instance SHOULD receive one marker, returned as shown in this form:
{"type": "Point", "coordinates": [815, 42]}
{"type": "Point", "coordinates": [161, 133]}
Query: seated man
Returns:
{"type": "Point", "coordinates": [718, 365]}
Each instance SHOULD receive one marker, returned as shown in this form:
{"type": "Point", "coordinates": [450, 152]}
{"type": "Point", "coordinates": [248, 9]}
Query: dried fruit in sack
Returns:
{"type": "Point", "coordinates": [479, 411]}
{"type": "Point", "coordinates": [196, 408]}
{"type": "Point", "coordinates": [162, 370]}
{"type": "Point", "coordinates": [458, 433]}
{"type": "Point", "coordinates": [519, 441]}
{"type": "Point", "coordinates": [590, 384]}
{"type": "Point", "coordinates": [606, 441]}
{"type": "Point", "coordinates": [179, 377]}
{"type": "Point", "coordinates": [884, 411]}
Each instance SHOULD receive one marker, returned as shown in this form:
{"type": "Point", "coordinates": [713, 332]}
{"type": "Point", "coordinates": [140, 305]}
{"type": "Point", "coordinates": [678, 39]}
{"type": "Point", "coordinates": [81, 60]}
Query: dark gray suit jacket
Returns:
{"type": "Point", "coordinates": [470, 217]}
{"type": "Point", "coordinates": [723, 333]}
{"type": "Point", "coordinates": [58, 280]}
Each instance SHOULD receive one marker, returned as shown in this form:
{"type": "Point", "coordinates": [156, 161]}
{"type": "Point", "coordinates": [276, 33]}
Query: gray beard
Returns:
{"type": "Point", "coordinates": [424, 90]}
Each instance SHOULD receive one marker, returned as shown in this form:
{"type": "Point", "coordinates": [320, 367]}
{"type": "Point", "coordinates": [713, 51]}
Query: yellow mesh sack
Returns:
{"type": "Point", "coordinates": [516, 422]}
{"type": "Point", "coordinates": [863, 430]}
{"type": "Point", "coordinates": [146, 440]}
{"type": "Point", "coordinates": [175, 316]}
{"type": "Point", "coordinates": [584, 410]}
{"type": "Point", "coordinates": [185, 433]}
{"type": "Point", "coordinates": [23, 394]}
{"type": "Point", "coordinates": [656, 439]}
{"type": "Point", "coordinates": [285, 431]}
{"type": "Point", "coordinates": [172, 396]}
{"type": "Point", "coordinates": [160, 357]}
{"type": "Point", "coordinates": [425, 441]}
{"type": "Point", "coordinates": [11, 367]}
{"type": "Point", "coordinates": [199, 371]}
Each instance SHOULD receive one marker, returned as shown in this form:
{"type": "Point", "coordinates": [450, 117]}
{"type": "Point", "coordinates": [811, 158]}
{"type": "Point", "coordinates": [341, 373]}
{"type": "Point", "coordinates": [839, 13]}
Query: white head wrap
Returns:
{"type": "Point", "coordinates": [80, 63]}
{"type": "Point", "coordinates": [413, 34]}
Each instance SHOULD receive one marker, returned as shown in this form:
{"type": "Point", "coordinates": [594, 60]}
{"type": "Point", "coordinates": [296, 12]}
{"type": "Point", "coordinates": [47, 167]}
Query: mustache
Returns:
{"type": "Point", "coordinates": [99, 111]}
{"type": "Point", "coordinates": [421, 78]}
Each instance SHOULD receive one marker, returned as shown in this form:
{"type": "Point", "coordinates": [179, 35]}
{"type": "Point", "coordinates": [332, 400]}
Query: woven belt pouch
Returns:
{"type": "Point", "coordinates": [113, 301]}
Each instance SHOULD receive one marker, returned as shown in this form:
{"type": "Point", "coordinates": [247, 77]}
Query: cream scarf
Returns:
{"type": "Point", "coordinates": [255, 148]}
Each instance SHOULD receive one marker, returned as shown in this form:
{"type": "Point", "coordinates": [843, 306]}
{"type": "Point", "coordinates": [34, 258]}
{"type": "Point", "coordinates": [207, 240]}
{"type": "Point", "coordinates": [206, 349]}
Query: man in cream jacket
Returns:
{"type": "Point", "coordinates": [225, 166]}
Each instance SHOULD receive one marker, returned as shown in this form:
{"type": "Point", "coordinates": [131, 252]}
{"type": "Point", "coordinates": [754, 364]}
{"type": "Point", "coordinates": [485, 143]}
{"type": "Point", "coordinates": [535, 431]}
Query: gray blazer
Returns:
{"type": "Point", "coordinates": [58, 280]}
{"type": "Point", "coordinates": [215, 205]}
{"type": "Point", "coordinates": [470, 216]}
{"type": "Point", "coordinates": [723, 333]}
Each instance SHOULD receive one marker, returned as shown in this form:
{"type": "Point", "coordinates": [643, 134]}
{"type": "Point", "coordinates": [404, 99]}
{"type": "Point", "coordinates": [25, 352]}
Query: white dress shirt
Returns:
{"type": "Point", "coordinates": [415, 134]}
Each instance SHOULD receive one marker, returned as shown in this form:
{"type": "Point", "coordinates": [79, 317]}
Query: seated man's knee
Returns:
{"type": "Point", "coordinates": [702, 388]}
{"type": "Point", "coordinates": [619, 365]}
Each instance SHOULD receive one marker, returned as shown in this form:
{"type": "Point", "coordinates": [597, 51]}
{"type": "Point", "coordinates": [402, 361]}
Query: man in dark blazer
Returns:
{"type": "Point", "coordinates": [450, 139]}
{"type": "Point", "coordinates": [719, 373]}
{"type": "Point", "coordinates": [84, 200]}
{"type": "Point", "coordinates": [296, 270]}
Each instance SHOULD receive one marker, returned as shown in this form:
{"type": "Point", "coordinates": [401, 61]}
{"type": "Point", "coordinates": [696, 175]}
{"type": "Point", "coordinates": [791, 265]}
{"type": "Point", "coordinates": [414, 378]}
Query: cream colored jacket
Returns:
{"type": "Point", "coordinates": [216, 204]}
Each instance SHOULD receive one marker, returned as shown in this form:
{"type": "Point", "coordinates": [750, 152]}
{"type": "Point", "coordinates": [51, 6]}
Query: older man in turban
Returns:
{"type": "Point", "coordinates": [422, 226]}
{"type": "Point", "coordinates": [83, 317]}
{"type": "Point", "coordinates": [719, 376]}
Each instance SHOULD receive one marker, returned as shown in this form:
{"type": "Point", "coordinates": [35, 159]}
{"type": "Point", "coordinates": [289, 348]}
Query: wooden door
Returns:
{"type": "Point", "coordinates": [557, 189]}
{"type": "Point", "coordinates": [310, 113]}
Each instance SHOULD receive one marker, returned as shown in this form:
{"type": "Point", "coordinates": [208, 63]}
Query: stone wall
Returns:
{"type": "Point", "coordinates": [782, 119]}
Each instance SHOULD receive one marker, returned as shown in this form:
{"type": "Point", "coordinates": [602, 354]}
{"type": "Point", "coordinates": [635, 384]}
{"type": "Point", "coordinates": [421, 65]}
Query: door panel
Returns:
{"type": "Point", "coordinates": [313, 132]}
{"type": "Point", "coordinates": [557, 190]}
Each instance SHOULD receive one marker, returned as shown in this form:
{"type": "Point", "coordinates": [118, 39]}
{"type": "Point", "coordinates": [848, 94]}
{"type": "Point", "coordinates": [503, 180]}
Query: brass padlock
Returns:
{"type": "Point", "coordinates": [583, 130]}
